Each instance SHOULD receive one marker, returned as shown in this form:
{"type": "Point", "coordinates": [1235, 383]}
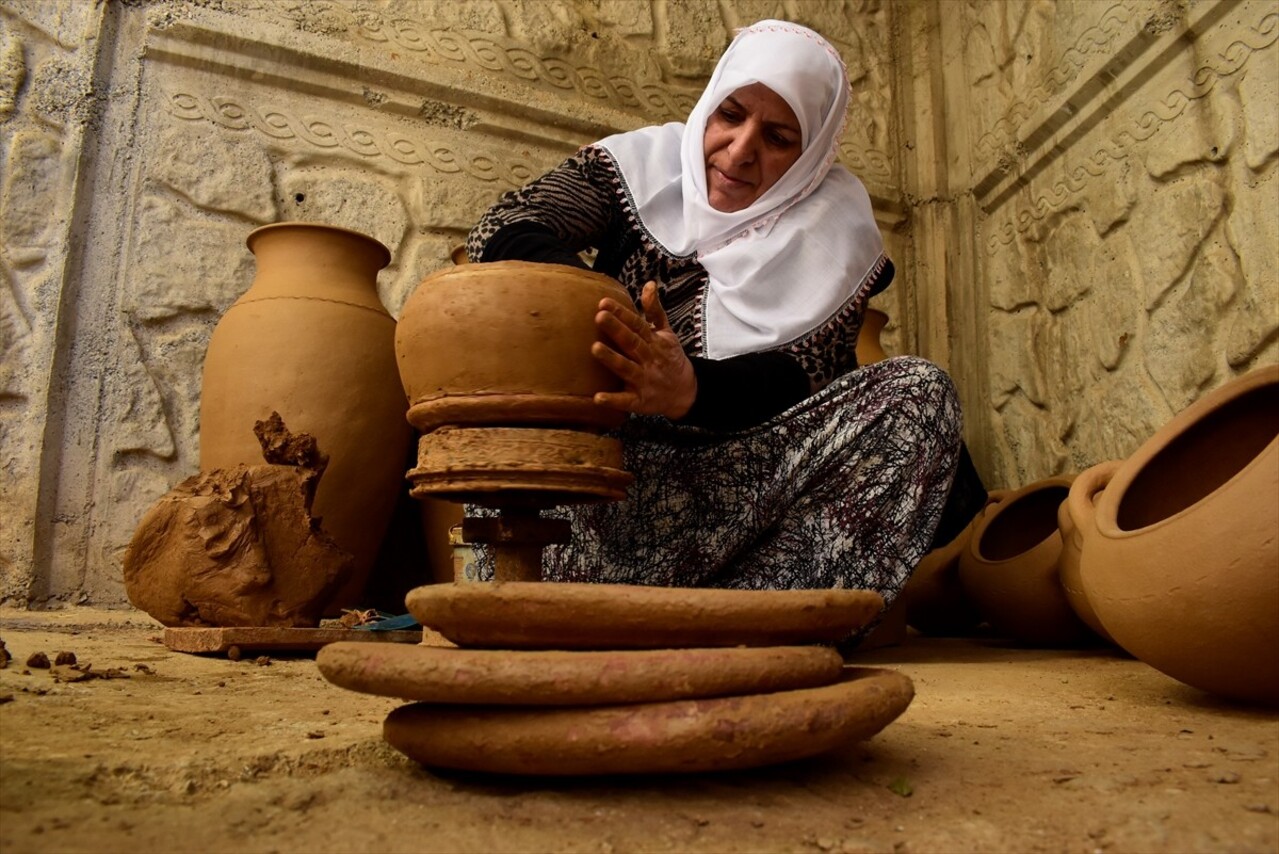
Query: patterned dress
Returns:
{"type": "Point", "coordinates": [843, 489]}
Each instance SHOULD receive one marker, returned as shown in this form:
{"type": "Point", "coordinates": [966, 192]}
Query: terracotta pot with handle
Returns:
{"type": "Point", "coordinates": [1180, 555]}
{"type": "Point", "coordinates": [1010, 567]}
{"type": "Point", "coordinates": [1089, 484]}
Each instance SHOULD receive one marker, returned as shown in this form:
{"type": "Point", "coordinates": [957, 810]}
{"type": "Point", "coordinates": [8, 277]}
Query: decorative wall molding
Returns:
{"type": "Point", "coordinates": [652, 100]}
{"type": "Point", "coordinates": [301, 62]}
{"type": "Point", "coordinates": [1021, 112]}
{"type": "Point", "coordinates": [239, 114]}
{"type": "Point", "coordinates": [1119, 145]}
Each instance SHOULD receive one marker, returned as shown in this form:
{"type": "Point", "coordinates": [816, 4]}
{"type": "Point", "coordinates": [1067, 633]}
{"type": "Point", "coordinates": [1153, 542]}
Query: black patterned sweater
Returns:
{"type": "Point", "coordinates": [583, 204]}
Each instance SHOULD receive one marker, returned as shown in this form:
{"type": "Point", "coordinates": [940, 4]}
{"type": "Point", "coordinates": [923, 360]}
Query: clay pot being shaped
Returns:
{"type": "Point", "coordinates": [496, 360]}
{"type": "Point", "coordinates": [869, 350]}
{"type": "Point", "coordinates": [1010, 567]}
{"type": "Point", "coordinates": [1181, 553]}
{"type": "Point", "coordinates": [506, 343]}
{"type": "Point", "coordinates": [311, 340]}
{"type": "Point", "coordinates": [1089, 485]}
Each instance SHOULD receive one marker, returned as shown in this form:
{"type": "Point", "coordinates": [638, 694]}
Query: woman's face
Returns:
{"type": "Point", "coordinates": [751, 139]}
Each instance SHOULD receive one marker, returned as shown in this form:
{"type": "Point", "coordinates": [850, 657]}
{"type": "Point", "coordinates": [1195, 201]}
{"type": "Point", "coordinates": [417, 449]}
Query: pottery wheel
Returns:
{"type": "Point", "coordinates": [683, 736]}
{"type": "Point", "coordinates": [539, 466]}
{"type": "Point", "coordinates": [502, 677]}
{"type": "Point", "coordinates": [533, 615]}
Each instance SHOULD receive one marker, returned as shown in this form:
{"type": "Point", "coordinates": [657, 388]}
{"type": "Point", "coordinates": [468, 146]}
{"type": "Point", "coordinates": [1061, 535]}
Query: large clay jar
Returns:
{"type": "Point", "coordinates": [1089, 485]}
{"type": "Point", "coordinates": [1181, 553]}
{"type": "Point", "coordinates": [311, 340]}
{"type": "Point", "coordinates": [1010, 567]}
{"type": "Point", "coordinates": [496, 360]}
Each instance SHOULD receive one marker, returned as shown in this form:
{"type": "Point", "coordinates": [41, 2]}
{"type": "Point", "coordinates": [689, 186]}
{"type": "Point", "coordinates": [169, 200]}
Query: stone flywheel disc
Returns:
{"type": "Point", "coordinates": [549, 615]}
{"type": "Point", "coordinates": [652, 738]}
{"type": "Point", "coordinates": [502, 677]}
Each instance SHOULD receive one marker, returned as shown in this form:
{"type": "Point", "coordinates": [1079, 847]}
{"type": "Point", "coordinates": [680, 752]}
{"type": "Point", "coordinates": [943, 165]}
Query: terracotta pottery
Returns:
{"type": "Point", "coordinates": [1089, 485]}
{"type": "Point", "coordinates": [936, 603]}
{"type": "Point", "coordinates": [1009, 568]}
{"type": "Point", "coordinates": [496, 360]}
{"type": "Point", "coordinates": [869, 350]}
{"type": "Point", "coordinates": [509, 677]}
{"type": "Point", "coordinates": [652, 738]}
{"type": "Point", "coordinates": [549, 615]}
{"type": "Point", "coordinates": [1181, 553]}
{"type": "Point", "coordinates": [311, 340]}
{"type": "Point", "coordinates": [506, 344]}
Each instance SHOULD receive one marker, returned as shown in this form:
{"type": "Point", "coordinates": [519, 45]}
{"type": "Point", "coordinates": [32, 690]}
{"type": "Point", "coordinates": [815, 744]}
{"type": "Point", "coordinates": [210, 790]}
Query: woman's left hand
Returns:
{"type": "Point", "coordinates": [647, 357]}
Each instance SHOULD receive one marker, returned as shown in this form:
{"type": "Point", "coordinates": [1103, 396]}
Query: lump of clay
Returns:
{"type": "Point", "coordinates": [239, 546]}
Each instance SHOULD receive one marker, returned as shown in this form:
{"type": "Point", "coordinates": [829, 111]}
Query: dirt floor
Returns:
{"type": "Point", "coordinates": [1003, 749]}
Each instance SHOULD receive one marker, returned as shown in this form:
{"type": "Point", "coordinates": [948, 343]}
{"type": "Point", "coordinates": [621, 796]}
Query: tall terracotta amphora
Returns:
{"type": "Point", "coordinates": [1010, 567]}
{"type": "Point", "coordinates": [1180, 556]}
{"type": "Point", "coordinates": [311, 340]}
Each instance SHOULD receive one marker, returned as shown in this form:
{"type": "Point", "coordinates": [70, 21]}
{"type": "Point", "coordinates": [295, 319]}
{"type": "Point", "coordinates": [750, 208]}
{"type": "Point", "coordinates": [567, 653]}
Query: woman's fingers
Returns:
{"type": "Point", "coordinates": [653, 309]}
{"type": "Point", "coordinates": [628, 317]}
{"type": "Point", "coordinates": [626, 401]}
{"type": "Point", "coordinates": [623, 335]}
{"type": "Point", "coordinates": [626, 369]}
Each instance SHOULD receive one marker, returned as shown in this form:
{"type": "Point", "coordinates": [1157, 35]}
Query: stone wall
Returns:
{"type": "Point", "coordinates": [1080, 196]}
{"type": "Point", "coordinates": [1113, 192]}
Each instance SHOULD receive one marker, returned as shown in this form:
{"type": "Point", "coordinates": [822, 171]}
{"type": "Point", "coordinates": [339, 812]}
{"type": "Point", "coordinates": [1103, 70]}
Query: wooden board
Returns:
{"type": "Point", "coordinates": [243, 639]}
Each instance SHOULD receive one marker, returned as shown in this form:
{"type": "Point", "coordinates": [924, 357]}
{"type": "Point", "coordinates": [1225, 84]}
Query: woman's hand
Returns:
{"type": "Point", "coordinates": [647, 356]}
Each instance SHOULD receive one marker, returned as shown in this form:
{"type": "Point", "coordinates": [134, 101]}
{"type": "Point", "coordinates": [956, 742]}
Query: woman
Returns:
{"type": "Point", "coordinates": [762, 457]}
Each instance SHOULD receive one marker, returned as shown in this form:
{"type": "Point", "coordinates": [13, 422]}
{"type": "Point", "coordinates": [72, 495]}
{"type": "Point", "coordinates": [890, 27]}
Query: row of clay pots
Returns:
{"type": "Point", "coordinates": [1172, 554]}
{"type": "Point", "coordinates": [1004, 568]}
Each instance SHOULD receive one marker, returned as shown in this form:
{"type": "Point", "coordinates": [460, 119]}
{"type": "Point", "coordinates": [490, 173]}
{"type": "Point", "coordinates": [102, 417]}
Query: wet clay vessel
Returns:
{"type": "Point", "coordinates": [647, 738]}
{"type": "Point", "coordinates": [1010, 567]}
{"type": "Point", "coordinates": [311, 340]}
{"type": "Point", "coordinates": [509, 677]}
{"type": "Point", "coordinates": [495, 359]}
{"type": "Point", "coordinates": [1088, 485]}
{"type": "Point", "coordinates": [504, 344]}
{"type": "Point", "coordinates": [1180, 556]}
{"type": "Point", "coordinates": [534, 615]}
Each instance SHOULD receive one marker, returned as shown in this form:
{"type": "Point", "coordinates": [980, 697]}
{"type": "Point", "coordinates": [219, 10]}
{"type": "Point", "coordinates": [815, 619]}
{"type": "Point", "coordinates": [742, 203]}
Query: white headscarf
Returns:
{"type": "Point", "coordinates": [786, 264]}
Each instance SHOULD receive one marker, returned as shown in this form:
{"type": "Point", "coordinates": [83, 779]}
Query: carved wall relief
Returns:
{"type": "Point", "coordinates": [1110, 166]}
{"type": "Point", "coordinates": [1121, 282]}
{"type": "Point", "coordinates": [400, 119]}
{"type": "Point", "coordinates": [46, 59]}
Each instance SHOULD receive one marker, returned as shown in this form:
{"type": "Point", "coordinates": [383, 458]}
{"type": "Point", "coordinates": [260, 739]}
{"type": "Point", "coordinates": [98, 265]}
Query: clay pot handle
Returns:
{"type": "Point", "coordinates": [994, 498]}
{"type": "Point", "coordinates": [1079, 500]}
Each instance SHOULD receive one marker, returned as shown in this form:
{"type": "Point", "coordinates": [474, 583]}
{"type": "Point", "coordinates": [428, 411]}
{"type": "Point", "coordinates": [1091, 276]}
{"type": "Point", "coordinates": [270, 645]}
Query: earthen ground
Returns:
{"type": "Point", "coordinates": [1004, 749]}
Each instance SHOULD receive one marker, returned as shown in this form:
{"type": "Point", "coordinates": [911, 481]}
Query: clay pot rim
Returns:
{"type": "Point", "coordinates": [996, 507]}
{"type": "Point", "coordinates": [484, 269]}
{"type": "Point", "coordinates": [1107, 507]}
{"type": "Point", "coordinates": [302, 225]}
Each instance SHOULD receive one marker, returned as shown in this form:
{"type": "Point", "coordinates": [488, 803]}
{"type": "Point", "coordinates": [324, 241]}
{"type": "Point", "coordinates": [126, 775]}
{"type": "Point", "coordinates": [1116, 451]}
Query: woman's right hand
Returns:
{"type": "Point", "coordinates": [646, 355]}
